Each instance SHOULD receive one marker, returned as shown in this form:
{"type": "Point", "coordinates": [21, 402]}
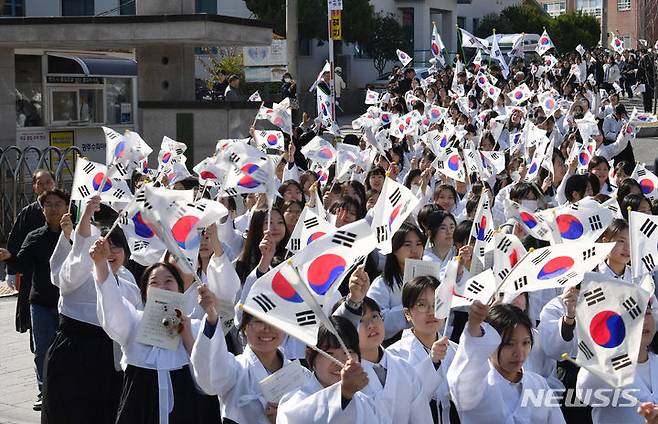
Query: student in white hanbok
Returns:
{"type": "Point", "coordinates": [440, 230]}
{"type": "Point", "coordinates": [332, 395]}
{"type": "Point", "coordinates": [235, 379]}
{"type": "Point", "coordinates": [386, 290]}
{"type": "Point", "coordinates": [158, 386]}
{"type": "Point", "coordinates": [645, 383]}
{"type": "Point", "coordinates": [487, 376]}
{"type": "Point", "coordinates": [425, 349]}
{"type": "Point", "coordinates": [81, 367]}
{"type": "Point", "coordinates": [401, 394]}
{"type": "Point", "coordinates": [616, 264]}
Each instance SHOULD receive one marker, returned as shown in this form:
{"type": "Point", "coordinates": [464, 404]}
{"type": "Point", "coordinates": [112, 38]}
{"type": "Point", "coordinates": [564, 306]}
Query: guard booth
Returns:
{"type": "Point", "coordinates": [64, 97]}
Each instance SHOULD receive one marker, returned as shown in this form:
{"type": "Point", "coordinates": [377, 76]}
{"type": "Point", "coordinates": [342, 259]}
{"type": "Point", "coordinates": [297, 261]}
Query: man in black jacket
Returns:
{"type": "Point", "coordinates": [646, 74]}
{"type": "Point", "coordinates": [29, 218]}
{"type": "Point", "coordinates": [34, 255]}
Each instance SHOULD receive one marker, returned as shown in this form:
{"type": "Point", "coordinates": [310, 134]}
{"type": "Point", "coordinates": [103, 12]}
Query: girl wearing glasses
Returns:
{"type": "Point", "coordinates": [423, 347]}
{"type": "Point", "coordinates": [399, 392]}
{"type": "Point", "coordinates": [386, 290]}
{"type": "Point", "coordinates": [235, 379]}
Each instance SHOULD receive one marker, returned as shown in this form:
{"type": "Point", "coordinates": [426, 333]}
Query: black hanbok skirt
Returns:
{"type": "Point", "coordinates": [140, 401]}
{"type": "Point", "coordinates": [80, 384]}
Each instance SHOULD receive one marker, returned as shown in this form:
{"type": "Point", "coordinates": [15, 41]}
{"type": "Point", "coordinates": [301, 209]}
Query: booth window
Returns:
{"type": "Point", "coordinates": [119, 100]}
{"type": "Point", "coordinates": [29, 91]}
{"type": "Point", "coordinates": [65, 105]}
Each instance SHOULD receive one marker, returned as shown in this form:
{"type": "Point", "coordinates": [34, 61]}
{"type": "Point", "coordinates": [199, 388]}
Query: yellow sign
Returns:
{"type": "Point", "coordinates": [62, 140]}
{"type": "Point", "coordinates": [336, 25]}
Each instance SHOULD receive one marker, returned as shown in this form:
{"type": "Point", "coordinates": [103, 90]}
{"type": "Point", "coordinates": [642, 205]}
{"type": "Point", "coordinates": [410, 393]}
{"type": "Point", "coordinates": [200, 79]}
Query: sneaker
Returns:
{"type": "Point", "coordinates": [37, 405]}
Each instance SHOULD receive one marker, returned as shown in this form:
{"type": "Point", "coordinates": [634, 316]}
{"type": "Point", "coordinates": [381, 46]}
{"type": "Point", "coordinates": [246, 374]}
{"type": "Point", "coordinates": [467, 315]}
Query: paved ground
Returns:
{"type": "Point", "coordinates": [17, 381]}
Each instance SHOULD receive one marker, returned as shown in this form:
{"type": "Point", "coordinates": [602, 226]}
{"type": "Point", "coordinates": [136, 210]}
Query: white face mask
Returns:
{"type": "Point", "coordinates": [530, 205]}
{"type": "Point", "coordinates": [515, 176]}
{"type": "Point", "coordinates": [286, 79]}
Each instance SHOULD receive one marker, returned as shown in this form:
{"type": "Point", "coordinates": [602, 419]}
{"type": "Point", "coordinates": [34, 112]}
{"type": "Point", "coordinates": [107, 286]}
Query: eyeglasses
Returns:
{"type": "Point", "coordinates": [258, 325]}
{"type": "Point", "coordinates": [374, 319]}
{"type": "Point", "coordinates": [424, 307]}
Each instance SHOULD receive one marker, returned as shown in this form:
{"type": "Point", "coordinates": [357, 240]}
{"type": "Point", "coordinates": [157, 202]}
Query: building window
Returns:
{"type": "Point", "coordinates": [590, 7]}
{"type": "Point", "coordinates": [127, 7]}
{"type": "Point", "coordinates": [206, 6]}
{"type": "Point", "coordinates": [304, 47]}
{"type": "Point", "coordinates": [623, 5]}
{"type": "Point", "coordinates": [556, 8]}
{"type": "Point", "coordinates": [408, 29]}
{"type": "Point", "coordinates": [77, 7]}
{"type": "Point", "coordinates": [29, 91]}
{"type": "Point", "coordinates": [12, 8]}
{"type": "Point", "coordinates": [65, 105]}
{"type": "Point", "coordinates": [461, 22]}
{"type": "Point", "coordinates": [119, 100]}
{"type": "Point", "coordinates": [476, 24]}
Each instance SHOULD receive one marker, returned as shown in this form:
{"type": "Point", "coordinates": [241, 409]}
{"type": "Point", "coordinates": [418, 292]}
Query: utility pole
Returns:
{"type": "Point", "coordinates": [292, 38]}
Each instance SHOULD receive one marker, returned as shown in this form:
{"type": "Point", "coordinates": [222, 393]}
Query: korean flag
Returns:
{"type": "Point", "coordinates": [609, 319]}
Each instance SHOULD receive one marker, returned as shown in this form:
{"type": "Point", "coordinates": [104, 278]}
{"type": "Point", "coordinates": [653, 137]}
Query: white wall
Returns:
{"type": "Point", "coordinates": [43, 8]}
{"type": "Point", "coordinates": [480, 8]}
{"type": "Point", "coordinates": [236, 8]}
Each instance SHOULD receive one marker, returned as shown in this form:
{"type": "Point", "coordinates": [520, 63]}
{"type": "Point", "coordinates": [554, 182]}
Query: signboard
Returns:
{"type": "Point", "coordinates": [272, 55]}
{"type": "Point", "coordinates": [61, 140]}
{"type": "Point", "coordinates": [335, 4]}
{"type": "Point", "coordinates": [264, 74]}
{"type": "Point", "coordinates": [33, 138]}
{"type": "Point", "coordinates": [74, 80]}
{"type": "Point", "coordinates": [336, 30]}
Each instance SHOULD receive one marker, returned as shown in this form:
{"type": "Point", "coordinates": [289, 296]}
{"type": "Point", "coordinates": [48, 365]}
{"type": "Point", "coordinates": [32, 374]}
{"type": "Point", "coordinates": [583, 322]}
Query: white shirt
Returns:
{"type": "Point", "coordinates": [234, 379]}
{"type": "Point", "coordinates": [390, 301]}
{"type": "Point", "coordinates": [627, 277]}
{"type": "Point", "coordinates": [482, 395]}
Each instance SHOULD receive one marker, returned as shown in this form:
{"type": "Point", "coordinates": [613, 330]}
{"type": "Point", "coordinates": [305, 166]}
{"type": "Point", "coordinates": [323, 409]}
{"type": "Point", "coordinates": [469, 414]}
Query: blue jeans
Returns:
{"type": "Point", "coordinates": [44, 326]}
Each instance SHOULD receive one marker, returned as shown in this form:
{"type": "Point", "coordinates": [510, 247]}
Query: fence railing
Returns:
{"type": "Point", "coordinates": [16, 168]}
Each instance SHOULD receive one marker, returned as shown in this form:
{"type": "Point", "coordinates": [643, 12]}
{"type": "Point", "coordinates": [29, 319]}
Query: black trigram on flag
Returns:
{"type": "Point", "coordinates": [641, 172]}
{"type": "Point", "coordinates": [344, 238]}
{"type": "Point", "coordinates": [89, 168]}
{"type": "Point", "coordinates": [311, 222]}
{"type": "Point", "coordinates": [595, 222]}
{"type": "Point", "coordinates": [504, 244]}
{"type": "Point", "coordinates": [503, 273]}
{"type": "Point", "coordinates": [121, 169]}
{"type": "Point", "coordinates": [475, 287]}
{"type": "Point", "coordinates": [231, 191]}
{"type": "Point", "coordinates": [620, 361]}
{"type": "Point", "coordinates": [200, 206]}
{"type": "Point", "coordinates": [440, 164]}
{"type": "Point", "coordinates": [118, 193]}
{"type": "Point", "coordinates": [264, 302]}
{"type": "Point", "coordinates": [520, 283]}
{"type": "Point", "coordinates": [295, 244]}
{"type": "Point", "coordinates": [84, 191]}
{"type": "Point", "coordinates": [111, 135]}
{"type": "Point", "coordinates": [632, 307]}
{"type": "Point", "coordinates": [382, 233]}
{"type": "Point", "coordinates": [123, 219]}
{"type": "Point", "coordinates": [649, 262]}
{"type": "Point", "coordinates": [306, 318]}
{"type": "Point", "coordinates": [139, 245]}
{"type": "Point", "coordinates": [395, 197]}
{"type": "Point", "coordinates": [588, 253]}
{"type": "Point", "coordinates": [648, 228]}
{"type": "Point", "coordinates": [582, 346]}
{"type": "Point", "coordinates": [565, 278]}
{"type": "Point", "coordinates": [233, 157]}
{"type": "Point", "coordinates": [539, 258]}
{"type": "Point", "coordinates": [595, 296]}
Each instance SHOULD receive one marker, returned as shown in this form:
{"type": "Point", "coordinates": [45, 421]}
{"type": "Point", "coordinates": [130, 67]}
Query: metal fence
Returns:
{"type": "Point", "coordinates": [16, 168]}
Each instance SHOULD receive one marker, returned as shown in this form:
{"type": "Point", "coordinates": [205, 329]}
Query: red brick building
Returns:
{"type": "Point", "coordinates": [631, 20]}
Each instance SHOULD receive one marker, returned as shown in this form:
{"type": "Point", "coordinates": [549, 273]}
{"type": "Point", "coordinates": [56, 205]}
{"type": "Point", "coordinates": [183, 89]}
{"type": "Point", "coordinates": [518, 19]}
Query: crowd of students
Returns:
{"type": "Point", "coordinates": [87, 298]}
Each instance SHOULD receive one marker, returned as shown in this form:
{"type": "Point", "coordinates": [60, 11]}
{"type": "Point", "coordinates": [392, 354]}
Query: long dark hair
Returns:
{"type": "Point", "coordinates": [392, 271]}
{"type": "Point", "coordinates": [250, 254]}
{"type": "Point", "coordinates": [328, 340]}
